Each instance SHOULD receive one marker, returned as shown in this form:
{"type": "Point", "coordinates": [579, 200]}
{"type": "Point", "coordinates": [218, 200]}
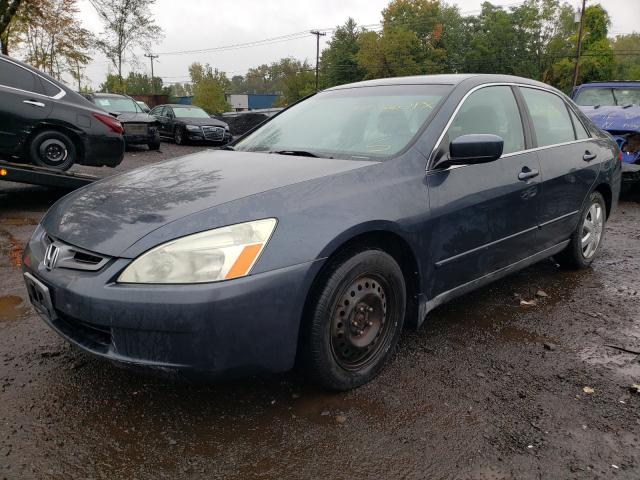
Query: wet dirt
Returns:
{"type": "Point", "coordinates": [486, 389]}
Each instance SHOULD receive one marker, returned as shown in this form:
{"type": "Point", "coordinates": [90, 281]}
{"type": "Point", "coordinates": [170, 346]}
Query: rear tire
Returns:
{"type": "Point", "coordinates": [355, 320]}
{"type": "Point", "coordinates": [52, 149]}
{"type": "Point", "coordinates": [586, 240]}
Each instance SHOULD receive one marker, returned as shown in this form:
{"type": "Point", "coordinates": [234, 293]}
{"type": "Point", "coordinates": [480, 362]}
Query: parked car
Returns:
{"type": "Point", "coordinates": [317, 236]}
{"type": "Point", "coordinates": [145, 108]}
{"type": "Point", "coordinates": [140, 128]}
{"type": "Point", "coordinates": [615, 107]}
{"type": "Point", "coordinates": [45, 123]}
{"type": "Point", "coordinates": [187, 123]}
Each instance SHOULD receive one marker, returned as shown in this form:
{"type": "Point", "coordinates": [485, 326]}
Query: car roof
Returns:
{"type": "Point", "coordinates": [446, 79]}
{"type": "Point", "coordinates": [611, 83]}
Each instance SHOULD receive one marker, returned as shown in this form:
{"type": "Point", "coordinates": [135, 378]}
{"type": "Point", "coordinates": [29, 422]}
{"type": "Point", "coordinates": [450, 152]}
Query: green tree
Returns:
{"type": "Point", "coordinates": [293, 79]}
{"type": "Point", "coordinates": [626, 51]}
{"type": "Point", "coordinates": [53, 38]}
{"type": "Point", "coordinates": [127, 24]}
{"type": "Point", "coordinates": [391, 53]}
{"type": "Point", "coordinates": [338, 63]}
{"type": "Point", "coordinates": [597, 59]}
{"type": "Point", "coordinates": [8, 11]}
{"type": "Point", "coordinates": [209, 87]}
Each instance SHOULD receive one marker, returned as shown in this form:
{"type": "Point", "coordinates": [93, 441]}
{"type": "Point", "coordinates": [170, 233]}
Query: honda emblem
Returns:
{"type": "Point", "coordinates": [51, 256]}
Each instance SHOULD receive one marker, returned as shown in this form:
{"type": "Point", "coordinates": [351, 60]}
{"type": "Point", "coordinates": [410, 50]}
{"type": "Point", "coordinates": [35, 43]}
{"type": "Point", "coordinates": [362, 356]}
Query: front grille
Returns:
{"type": "Point", "coordinates": [89, 335]}
{"type": "Point", "coordinates": [135, 128]}
{"type": "Point", "coordinates": [215, 134]}
{"type": "Point", "coordinates": [74, 258]}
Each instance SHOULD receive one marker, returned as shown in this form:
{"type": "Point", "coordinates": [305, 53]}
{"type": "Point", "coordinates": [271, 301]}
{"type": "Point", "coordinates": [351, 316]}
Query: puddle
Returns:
{"type": "Point", "coordinates": [626, 365]}
{"type": "Point", "coordinates": [11, 308]}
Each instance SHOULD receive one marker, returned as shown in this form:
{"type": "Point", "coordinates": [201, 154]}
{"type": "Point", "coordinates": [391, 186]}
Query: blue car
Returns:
{"type": "Point", "coordinates": [315, 238]}
{"type": "Point", "coordinates": [615, 108]}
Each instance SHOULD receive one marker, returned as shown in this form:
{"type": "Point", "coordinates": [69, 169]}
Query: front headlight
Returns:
{"type": "Point", "coordinates": [193, 128]}
{"type": "Point", "coordinates": [211, 256]}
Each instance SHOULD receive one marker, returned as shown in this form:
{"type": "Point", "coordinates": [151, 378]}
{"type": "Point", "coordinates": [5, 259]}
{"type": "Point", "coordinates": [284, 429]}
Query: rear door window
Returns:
{"type": "Point", "coordinates": [550, 116]}
{"type": "Point", "coordinates": [490, 110]}
{"type": "Point", "coordinates": [14, 76]}
{"type": "Point", "coordinates": [50, 89]}
{"type": "Point", "coordinates": [581, 132]}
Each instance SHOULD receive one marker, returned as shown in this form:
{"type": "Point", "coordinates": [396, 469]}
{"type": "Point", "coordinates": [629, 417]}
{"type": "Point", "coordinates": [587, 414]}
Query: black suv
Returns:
{"type": "Point", "coordinates": [45, 123]}
{"type": "Point", "coordinates": [140, 128]}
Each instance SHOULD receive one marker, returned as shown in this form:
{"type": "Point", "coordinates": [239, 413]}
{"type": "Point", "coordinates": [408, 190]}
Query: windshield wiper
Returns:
{"type": "Point", "coordinates": [299, 153]}
{"type": "Point", "coordinates": [227, 147]}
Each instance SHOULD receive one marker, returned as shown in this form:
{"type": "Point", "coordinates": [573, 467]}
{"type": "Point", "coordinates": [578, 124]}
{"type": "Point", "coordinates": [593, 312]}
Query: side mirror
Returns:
{"type": "Point", "coordinates": [473, 149]}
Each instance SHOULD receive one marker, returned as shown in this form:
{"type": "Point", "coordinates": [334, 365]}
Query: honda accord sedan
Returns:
{"type": "Point", "coordinates": [317, 237]}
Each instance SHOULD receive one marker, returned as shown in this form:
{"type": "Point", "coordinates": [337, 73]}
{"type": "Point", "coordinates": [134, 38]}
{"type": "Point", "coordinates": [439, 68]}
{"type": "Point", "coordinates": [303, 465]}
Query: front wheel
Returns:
{"type": "Point", "coordinates": [587, 237]}
{"type": "Point", "coordinates": [179, 136]}
{"type": "Point", "coordinates": [52, 149]}
{"type": "Point", "coordinates": [356, 320]}
{"type": "Point", "coordinates": [154, 145]}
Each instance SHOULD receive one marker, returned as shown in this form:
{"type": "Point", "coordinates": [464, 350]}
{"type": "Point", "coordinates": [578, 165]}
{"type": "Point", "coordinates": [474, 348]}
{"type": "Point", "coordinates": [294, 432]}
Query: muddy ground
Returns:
{"type": "Point", "coordinates": [487, 389]}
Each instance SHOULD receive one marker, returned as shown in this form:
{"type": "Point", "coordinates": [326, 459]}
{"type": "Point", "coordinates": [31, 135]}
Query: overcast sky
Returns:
{"type": "Point", "coordinates": [201, 24]}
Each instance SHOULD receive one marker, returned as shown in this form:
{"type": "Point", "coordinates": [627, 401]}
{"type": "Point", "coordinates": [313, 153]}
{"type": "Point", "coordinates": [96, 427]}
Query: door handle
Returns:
{"type": "Point", "coordinates": [527, 174]}
{"type": "Point", "coordinates": [588, 156]}
{"type": "Point", "coordinates": [34, 103]}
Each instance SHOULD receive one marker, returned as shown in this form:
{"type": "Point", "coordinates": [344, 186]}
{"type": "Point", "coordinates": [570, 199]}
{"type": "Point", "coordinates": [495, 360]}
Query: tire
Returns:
{"type": "Point", "coordinates": [154, 145]}
{"type": "Point", "coordinates": [581, 250]}
{"type": "Point", "coordinates": [355, 319]}
{"type": "Point", "coordinates": [179, 136]}
{"type": "Point", "coordinates": [52, 149]}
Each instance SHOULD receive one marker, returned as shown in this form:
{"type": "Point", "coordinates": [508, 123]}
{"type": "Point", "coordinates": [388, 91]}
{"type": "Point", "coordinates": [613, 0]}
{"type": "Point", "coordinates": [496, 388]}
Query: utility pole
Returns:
{"type": "Point", "coordinates": [579, 51]}
{"type": "Point", "coordinates": [152, 57]}
{"type": "Point", "coordinates": [318, 35]}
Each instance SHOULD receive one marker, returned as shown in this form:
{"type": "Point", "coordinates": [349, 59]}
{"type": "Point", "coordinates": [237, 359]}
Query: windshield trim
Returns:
{"type": "Point", "coordinates": [360, 156]}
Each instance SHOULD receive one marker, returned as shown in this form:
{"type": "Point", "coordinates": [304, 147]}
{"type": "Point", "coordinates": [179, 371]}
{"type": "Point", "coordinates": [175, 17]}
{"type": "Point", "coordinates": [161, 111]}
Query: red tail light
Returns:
{"type": "Point", "coordinates": [113, 124]}
{"type": "Point", "coordinates": [620, 155]}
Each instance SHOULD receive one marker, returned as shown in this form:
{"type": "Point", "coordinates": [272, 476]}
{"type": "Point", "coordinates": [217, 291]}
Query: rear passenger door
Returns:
{"type": "Point", "coordinates": [569, 162]}
{"type": "Point", "coordinates": [485, 216]}
{"type": "Point", "coordinates": [23, 103]}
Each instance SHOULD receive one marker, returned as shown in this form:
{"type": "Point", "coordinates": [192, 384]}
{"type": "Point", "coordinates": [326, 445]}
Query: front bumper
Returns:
{"type": "Point", "coordinates": [630, 173]}
{"type": "Point", "coordinates": [237, 327]}
{"type": "Point", "coordinates": [198, 136]}
{"type": "Point", "coordinates": [152, 136]}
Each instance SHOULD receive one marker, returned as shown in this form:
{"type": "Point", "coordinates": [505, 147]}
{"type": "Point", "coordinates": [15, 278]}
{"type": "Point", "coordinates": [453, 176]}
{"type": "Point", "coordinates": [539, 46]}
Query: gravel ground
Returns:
{"type": "Point", "coordinates": [486, 389]}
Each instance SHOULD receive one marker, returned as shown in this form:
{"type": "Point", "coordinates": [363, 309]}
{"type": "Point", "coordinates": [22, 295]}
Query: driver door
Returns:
{"type": "Point", "coordinates": [485, 216]}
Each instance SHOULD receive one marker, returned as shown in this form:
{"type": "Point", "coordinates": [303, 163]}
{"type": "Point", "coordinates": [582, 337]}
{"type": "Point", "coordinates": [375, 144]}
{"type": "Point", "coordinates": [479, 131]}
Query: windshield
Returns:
{"type": "Point", "coordinates": [190, 112]}
{"type": "Point", "coordinates": [352, 122]}
{"type": "Point", "coordinates": [118, 105]}
{"type": "Point", "coordinates": [607, 97]}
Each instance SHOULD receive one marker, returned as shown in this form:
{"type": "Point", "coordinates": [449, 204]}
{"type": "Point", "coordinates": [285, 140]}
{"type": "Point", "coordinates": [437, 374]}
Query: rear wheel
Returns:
{"type": "Point", "coordinates": [356, 320]}
{"type": "Point", "coordinates": [587, 238]}
{"type": "Point", "coordinates": [52, 149]}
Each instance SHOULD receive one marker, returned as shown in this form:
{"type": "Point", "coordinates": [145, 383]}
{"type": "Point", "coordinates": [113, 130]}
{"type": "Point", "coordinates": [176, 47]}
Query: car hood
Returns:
{"type": "Point", "coordinates": [109, 216]}
{"type": "Point", "coordinates": [134, 117]}
{"type": "Point", "coordinates": [202, 121]}
{"type": "Point", "coordinates": [615, 119]}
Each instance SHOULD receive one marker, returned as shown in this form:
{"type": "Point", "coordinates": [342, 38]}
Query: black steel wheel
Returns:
{"type": "Point", "coordinates": [52, 149]}
{"type": "Point", "coordinates": [356, 320]}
